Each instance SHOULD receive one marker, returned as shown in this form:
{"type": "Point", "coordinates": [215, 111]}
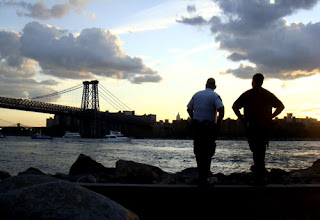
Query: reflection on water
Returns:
{"type": "Point", "coordinates": [57, 155]}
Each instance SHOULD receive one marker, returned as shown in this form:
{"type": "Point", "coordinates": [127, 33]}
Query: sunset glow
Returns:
{"type": "Point", "coordinates": [154, 55]}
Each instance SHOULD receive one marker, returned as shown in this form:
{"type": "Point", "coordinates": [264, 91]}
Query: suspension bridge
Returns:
{"type": "Point", "coordinates": [91, 121]}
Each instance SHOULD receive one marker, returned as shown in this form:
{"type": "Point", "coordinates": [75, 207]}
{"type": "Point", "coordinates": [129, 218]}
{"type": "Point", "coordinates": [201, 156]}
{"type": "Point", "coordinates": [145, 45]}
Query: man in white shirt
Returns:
{"type": "Point", "coordinates": [203, 108]}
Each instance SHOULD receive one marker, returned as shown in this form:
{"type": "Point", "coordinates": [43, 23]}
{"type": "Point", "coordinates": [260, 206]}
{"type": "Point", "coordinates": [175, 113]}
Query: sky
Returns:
{"type": "Point", "coordinates": [154, 55]}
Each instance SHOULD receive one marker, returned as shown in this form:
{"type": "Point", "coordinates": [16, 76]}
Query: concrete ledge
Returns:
{"type": "Point", "coordinates": [153, 201]}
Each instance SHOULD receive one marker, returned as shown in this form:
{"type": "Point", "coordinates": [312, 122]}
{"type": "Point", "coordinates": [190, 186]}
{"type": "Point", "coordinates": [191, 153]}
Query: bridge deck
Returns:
{"type": "Point", "coordinates": [35, 106]}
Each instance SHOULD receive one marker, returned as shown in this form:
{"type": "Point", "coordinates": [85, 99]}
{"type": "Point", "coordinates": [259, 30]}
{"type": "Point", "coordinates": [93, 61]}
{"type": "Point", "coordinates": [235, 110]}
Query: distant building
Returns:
{"type": "Point", "coordinates": [305, 122]}
{"type": "Point", "coordinates": [152, 118]}
{"type": "Point", "coordinates": [67, 121]}
{"type": "Point", "coordinates": [178, 117]}
{"type": "Point", "coordinates": [128, 112]}
{"type": "Point", "coordinates": [50, 122]}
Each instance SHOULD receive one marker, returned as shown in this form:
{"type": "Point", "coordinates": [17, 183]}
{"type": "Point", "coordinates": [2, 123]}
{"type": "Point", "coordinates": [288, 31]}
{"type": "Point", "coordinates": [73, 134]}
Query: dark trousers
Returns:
{"type": "Point", "coordinates": [204, 135]}
{"type": "Point", "coordinates": [258, 142]}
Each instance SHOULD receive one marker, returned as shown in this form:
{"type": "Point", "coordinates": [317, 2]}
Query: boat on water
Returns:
{"type": "Point", "coordinates": [39, 135]}
{"type": "Point", "coordinates": [117, 136]}
{"type": "Point", "coordinates": [70, 134]}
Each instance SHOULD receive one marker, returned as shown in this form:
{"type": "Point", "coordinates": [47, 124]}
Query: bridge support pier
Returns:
{"type": "Point", "coordinates": [90, 125]}
{"type": "Point", "coordinates": [89, 117]}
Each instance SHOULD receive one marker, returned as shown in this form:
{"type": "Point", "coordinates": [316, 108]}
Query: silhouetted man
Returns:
{"type": "Point", "coordinates": [203, 108]}
{"type": "Point", "coordinates": [258, 103]}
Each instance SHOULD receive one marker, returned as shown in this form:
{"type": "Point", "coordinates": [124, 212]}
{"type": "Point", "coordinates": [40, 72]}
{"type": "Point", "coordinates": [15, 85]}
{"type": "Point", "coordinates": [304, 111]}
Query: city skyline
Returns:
{"type": "Point", "coordinates": [5, 123]}
{"type": "Point", "coordinates": [154, 55]}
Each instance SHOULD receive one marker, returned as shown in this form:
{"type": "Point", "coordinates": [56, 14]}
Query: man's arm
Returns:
{"type": "Point", "coordinates": [278, 110]}
{"type": "Point", "coordinates": [220, 116]}
{"type": "Point", "coordinates": [236, 110]}
{"type": "Point", "coordinates": [190, 112]}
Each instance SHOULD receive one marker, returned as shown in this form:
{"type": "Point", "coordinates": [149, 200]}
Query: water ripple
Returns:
{"type": "Point", "coordinates": [19, 153]}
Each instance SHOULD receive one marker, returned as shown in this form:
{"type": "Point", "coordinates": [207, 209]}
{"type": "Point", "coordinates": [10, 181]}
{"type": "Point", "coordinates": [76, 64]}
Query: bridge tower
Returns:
{"type": "Point", "coordinates": [90, 97]}
{"type": "Point", "coordinates": [90, 120]}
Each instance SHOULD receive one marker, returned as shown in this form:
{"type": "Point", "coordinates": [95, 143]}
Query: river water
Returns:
{"type": "Point", "coordinates": [57, 155]}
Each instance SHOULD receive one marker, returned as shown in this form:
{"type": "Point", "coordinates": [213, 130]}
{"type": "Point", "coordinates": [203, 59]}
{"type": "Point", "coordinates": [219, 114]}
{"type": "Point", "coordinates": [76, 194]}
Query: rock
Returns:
{"type": "Point", "coordinates": [87, 179]}
{"type": "Point", "coordinates": [44, 197]}
{"type": "Point", "coordinates": [84, 165]}
{"type": "Point", "coordinates": [187, 176]}
{"type": "Point", "coordinates": [236, 178]}
{"type": "Point", "coordinates": [297, 176]}
{"type": "Point", "coordinates": [62, 176]}
{"type": "Point", "coordinates": [278, 176]}
{"type": "Point", "coordinates": [305, 176]}
{"type": "Point", "coordinates": [32, 171]}
{"type": "Point", "coordinates": [317, 162]}
{"type": "Point", "coordinates": [316, 166]}
{"type": "Point", "coordinates": [4, 175]}
{"type": "Point", "coordinates": [133, 172]}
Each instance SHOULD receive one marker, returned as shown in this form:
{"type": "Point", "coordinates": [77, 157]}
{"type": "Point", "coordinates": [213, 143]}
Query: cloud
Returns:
{"type": "Point", "coordinates": [23, 88]}
{"type": "Point", "coordinates": [257, 32]}
{"type": "Point", "coordinates": [192, 20]}
{"type": "Point", "coordinates": [191, 8]}
{"type": "Point", "coordinates": [16, 71]}
{"type": "Point", "coordinates": [198, 20]}
{"type": "Point", "coordinates": [39, 10]}
{"type": "Point", "coordinates": [146, 78]}
{"type": "Point", "coordinates": [164, 15]}
{"type": "Point", "coordinates": [49, 82]}
{"type": "Point", "coordinates": [55, 52]}
{"type": "Point", "coordinates": [94, 51]}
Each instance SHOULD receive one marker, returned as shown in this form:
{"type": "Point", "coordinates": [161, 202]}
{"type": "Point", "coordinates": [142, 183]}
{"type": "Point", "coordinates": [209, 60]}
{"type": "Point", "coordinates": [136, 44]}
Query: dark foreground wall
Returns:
{"type": "Point", "coordinates": [216, 202]}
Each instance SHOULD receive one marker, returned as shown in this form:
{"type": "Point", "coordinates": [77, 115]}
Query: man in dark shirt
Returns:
{"type": "Point", "coordinates": [257, 119]}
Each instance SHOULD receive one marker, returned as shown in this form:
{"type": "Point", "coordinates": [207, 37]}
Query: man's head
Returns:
{"type": "Point", "coordinates": [257, 80]}
{"type": "Point", "coordinates": [211, 83]}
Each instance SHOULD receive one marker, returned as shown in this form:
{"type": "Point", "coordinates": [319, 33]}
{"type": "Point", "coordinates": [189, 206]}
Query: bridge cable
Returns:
{"type": "Point", "coordinates": [116, 98]}
{"type": "Point", "coordinates": [59, 92]}
{"type": "Point", "coordinates": [9, 122]}
{"type": "Point", "coordinates": [105, 92]}
{"type": "Point", "coordinates": [114, 105]}
{"type": "Point", "coordinates": [114, 101]}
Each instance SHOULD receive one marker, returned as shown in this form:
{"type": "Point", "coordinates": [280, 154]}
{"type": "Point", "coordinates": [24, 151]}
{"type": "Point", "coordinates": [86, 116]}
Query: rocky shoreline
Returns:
{"type": "Point", "coordinates": [33, 194]}
{"type": "Point", "coordinates": [87, 170]}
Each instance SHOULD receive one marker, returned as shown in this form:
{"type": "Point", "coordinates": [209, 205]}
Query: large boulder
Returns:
{"type": "Point", "coordinates": [84, 165]}
{"type": "Point", "coordinates": [32, 171]}
{"type": "Point", "coordinates": [278, 176]}
{"type": "Point", "coordinates": [309, 175]}
{"type": "Point", "coordinates": [44, 197]}
{"type": "Point", "coordinates": [85, 169]}
{"type": "Point", "coordinates": [316, 166]}
{"type": "Point", "coordinates": [4, 175]}
{"type": "Point", "coordinates": [186, 176]}
{"type": "Point", "coordinates": [133, 172]}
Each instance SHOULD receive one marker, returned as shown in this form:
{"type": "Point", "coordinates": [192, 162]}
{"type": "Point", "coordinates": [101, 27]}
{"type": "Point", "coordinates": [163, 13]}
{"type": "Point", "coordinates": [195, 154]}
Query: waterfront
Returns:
{"type": "Point", "coordinates": [57, 155]}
